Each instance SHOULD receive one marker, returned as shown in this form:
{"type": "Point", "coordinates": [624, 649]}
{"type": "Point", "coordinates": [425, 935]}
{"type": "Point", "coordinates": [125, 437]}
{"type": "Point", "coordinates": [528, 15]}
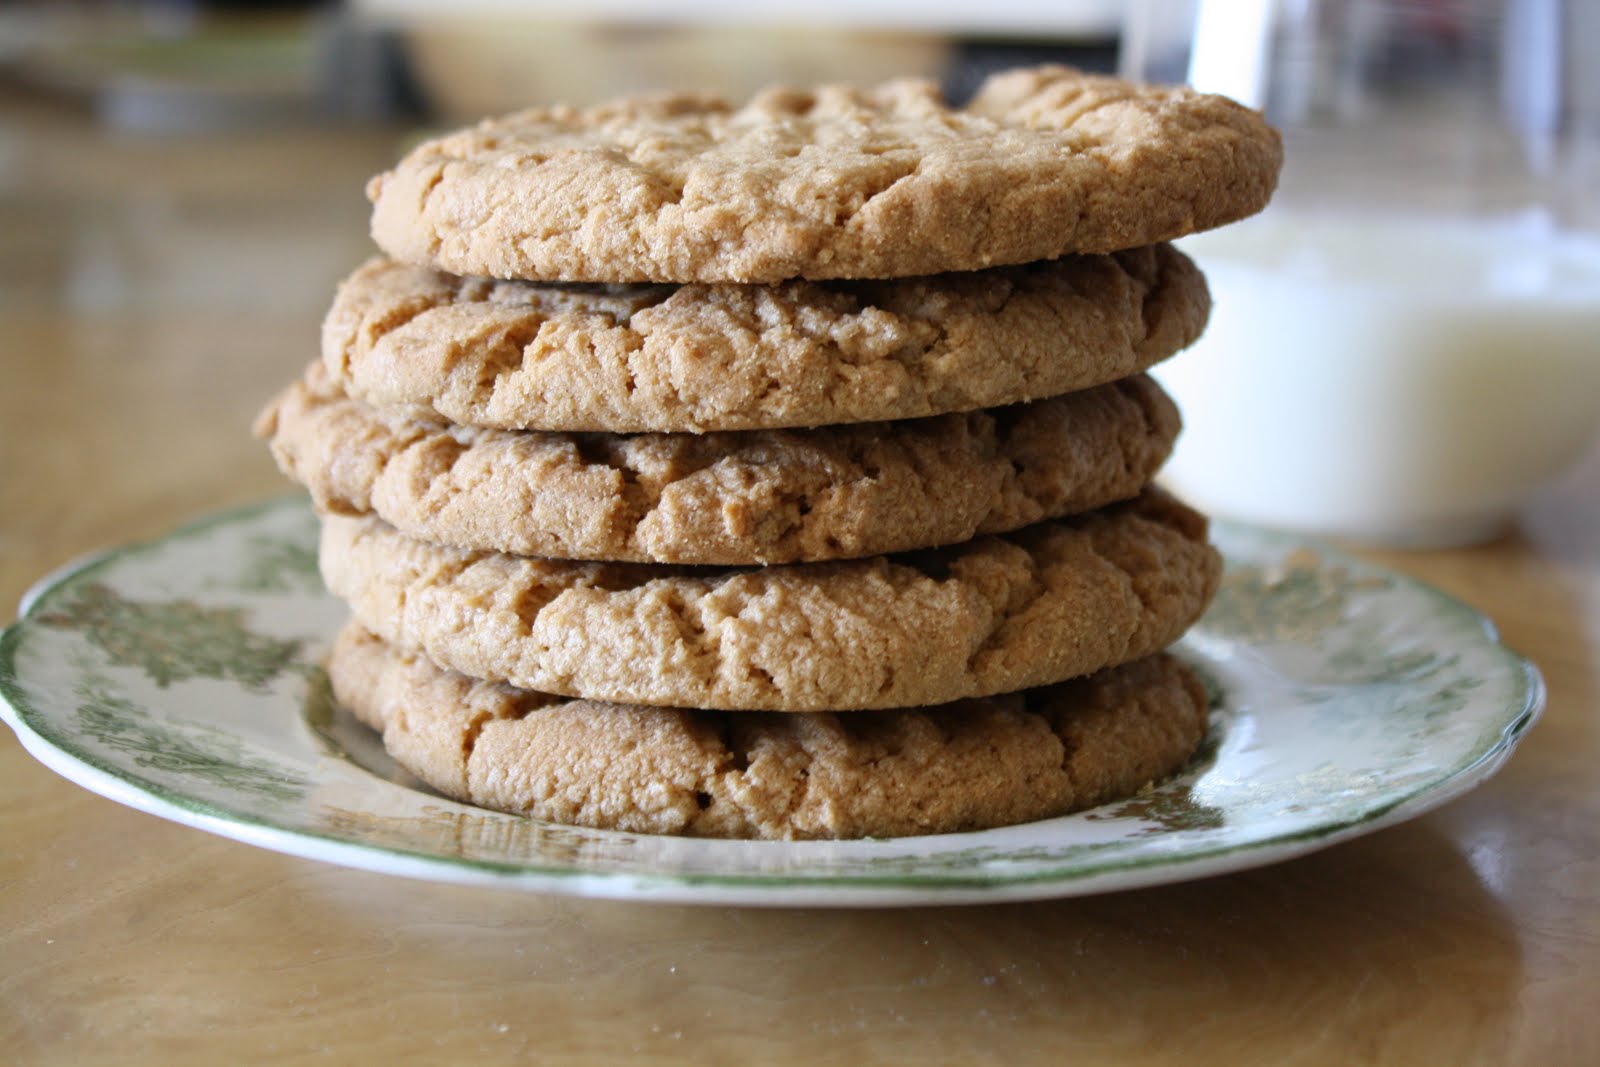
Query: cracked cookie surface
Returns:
{"type": "Point", "coordinates": [760, 496]}
{"type": "Point", "coordinates": [971, 765]}
{"type": "Point", "coordinates": [516, 355]}
{"type": "Point", "coordinates": [997, 614]}
{"type": "Point", "coordinates": [833, 183]}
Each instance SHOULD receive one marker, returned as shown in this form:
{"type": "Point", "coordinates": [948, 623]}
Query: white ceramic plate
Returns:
{"type": "Point", "coordinates": [182, 677]}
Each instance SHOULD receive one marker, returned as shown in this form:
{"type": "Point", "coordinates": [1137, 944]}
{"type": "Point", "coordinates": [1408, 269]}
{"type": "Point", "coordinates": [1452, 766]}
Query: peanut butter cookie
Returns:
{"type": "Point", "coordinates": [833, 183]}
{"type": "Point", "coordinates": [992, 615]}
{"type": "Point", "coordinates": [516, 355]}
{"type": "Point", "coordinates": [758, 496]}
{"type": "Point", "coordinates": [972, 765]}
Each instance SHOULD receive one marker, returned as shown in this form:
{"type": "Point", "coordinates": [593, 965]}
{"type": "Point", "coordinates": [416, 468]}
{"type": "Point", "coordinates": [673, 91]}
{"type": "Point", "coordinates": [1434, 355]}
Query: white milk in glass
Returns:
{"type": "Point", "coordinates": [1398, 381]}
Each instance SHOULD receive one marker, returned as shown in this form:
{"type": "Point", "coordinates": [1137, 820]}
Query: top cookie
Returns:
{"type": "Point", "coordinates": [836, 183]}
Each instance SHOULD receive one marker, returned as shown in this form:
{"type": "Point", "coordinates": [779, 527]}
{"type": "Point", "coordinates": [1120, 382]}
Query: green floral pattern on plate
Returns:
{"type": "Point", "coordinates": [196, 753]}
{"type": "Point", "coordinates": [183, 677]}
{"type": "Point", "coordinates": [173, 640]}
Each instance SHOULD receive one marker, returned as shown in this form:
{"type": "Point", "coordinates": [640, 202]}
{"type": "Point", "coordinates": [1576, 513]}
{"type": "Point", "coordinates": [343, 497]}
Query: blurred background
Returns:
{"type": "Point", "coordinates": [181, 189]}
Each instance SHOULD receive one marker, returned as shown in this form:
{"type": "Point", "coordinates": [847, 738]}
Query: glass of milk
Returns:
{"type": "Point", "coordinates": [1406, 344]}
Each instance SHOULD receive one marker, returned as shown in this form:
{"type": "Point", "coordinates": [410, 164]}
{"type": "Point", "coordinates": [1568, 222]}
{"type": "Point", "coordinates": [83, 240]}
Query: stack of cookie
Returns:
{"type": "Point", "coordinates": [779, 471]}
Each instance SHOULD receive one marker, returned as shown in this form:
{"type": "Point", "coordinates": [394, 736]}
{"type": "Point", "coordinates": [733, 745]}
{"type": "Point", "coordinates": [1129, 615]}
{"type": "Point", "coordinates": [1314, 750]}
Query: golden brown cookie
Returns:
{"type": "Point", "coordinates": [759, 496]}
{"type": "Point", "coordinates": [993, 615]}
{"type": "Point", "coordinates": [972, 765]}
{"type": "Point", "coordinates": [739, 357]}
{"type": "Point", "coordinates": [836, 183]}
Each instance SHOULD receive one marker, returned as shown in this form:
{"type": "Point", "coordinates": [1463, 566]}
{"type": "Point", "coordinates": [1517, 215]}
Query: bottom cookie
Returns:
{"type": "Point", "coordinates": [971, 765]}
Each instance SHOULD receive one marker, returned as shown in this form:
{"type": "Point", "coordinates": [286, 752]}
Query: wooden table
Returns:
{"type": "Point", "coordinates": [154, 293]}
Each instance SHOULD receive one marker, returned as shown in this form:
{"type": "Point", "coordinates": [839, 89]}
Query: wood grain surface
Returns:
{"type": "Point", "coordinates": [153, 293]}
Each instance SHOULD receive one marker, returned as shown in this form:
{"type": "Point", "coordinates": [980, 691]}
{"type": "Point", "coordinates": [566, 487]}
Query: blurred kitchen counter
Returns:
{"type": "Point", "coordinates": [155, 291]}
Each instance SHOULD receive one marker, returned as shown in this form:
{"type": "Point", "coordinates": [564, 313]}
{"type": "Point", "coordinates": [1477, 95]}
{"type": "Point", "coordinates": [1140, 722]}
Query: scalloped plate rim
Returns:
{"type": "Point", "coordinates": [778, 890]}
{"type": "Point", "coordinates": [790, 890]}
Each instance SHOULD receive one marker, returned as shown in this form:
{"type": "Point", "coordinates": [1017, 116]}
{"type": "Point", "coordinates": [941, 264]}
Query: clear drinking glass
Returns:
{"type": "Point", "coordinates": [1406, 343]}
